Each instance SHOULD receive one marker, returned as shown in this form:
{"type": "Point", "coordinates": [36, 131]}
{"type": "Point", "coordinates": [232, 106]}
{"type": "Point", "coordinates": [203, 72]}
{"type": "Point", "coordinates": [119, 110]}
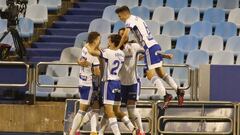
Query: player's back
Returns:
{"type": "Point", "coordinates": [113, 63]}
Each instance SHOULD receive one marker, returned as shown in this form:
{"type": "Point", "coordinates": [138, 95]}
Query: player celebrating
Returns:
{"type": "Point", "coordinates": [87, 63]}
{"type": "Point", "coordinates": [111, 89]}
{"type": "Point", "coordinates": [152, 57]}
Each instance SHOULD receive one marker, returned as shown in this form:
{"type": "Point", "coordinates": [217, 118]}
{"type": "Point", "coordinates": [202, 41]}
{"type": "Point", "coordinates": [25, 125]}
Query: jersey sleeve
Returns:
{"type": "Point", "coordinates": [129, 24]}
{"type": "Point", "coordinates": [84, 54]}
{"type": "Point", "coordinates": [96, 62]}
{"type": "Point", "coordinates": [104, 54]}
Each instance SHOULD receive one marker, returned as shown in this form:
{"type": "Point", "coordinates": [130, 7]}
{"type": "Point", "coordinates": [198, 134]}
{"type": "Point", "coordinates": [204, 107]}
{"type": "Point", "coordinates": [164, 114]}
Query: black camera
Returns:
{"type": "Point", "coordinates": [14, 9]}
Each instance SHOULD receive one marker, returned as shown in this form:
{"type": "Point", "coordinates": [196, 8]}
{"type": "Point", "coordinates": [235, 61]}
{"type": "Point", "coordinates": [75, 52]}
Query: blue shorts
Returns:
{"type": "Point", "coordinates": [130, 92]}
{"type": "Point", "coordinates": [111, 92]}
{"type": "Point", "coordinates": [151, 58]}
{"type": "Point", "coordinates": [85, 94]}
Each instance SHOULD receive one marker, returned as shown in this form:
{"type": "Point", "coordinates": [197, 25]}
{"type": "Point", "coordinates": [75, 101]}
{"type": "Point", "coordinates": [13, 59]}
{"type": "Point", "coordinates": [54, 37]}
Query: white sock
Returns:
{"type": "Point", "coordinates": [114, 126]}
{"type": "Point", "coordinates": [135, 116]}
{"type": "Point", "coordinates": [94, 121]}
{"type": "Point", "coordinates": [86, 118]}
{"type": "Point", "coordinates": [160, 87]}
{"type": "Point", "coordinates": [128, 123]}
{"type": "Point", "coordinates": [76, 121]}
{"type": "Point", "coordinates": [169, 80]}
{"type": "Point", "coordinates": [104, 124]}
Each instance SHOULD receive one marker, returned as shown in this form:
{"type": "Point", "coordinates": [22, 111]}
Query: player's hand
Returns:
{"type": "Point", "coordinates": [168, 56]}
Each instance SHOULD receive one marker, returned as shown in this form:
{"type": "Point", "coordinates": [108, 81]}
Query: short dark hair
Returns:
{"type": "Point", "coordinates": [122, 9]}
{"type": "Point", "coordinates": [115, 38]}
{"type": "Point", "coordinates": [92, 36]}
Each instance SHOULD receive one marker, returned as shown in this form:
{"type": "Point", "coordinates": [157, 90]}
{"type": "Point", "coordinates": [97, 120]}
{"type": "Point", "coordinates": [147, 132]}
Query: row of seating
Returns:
{"type": "Point", "coordinates": [187, 15]}
{"type": "Point", "coordinates": [178, 4]}
{"type": "Point", "coordinates": [50, 4]}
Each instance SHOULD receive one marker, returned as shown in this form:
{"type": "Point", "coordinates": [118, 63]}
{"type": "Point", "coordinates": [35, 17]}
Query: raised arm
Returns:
{"type": "Point", "coordinates": [124, 37]}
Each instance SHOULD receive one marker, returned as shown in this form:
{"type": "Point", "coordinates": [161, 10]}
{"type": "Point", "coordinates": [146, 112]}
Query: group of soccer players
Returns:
{"type": "Point", "coordinates": [119, 81]}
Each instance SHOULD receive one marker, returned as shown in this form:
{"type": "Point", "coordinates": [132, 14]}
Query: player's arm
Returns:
{"type": "Point", "coordinates": [96, 71]}
{"type": "Point", "coordinates": [124, 37]}
{"type": "Point", "coordinates": [94, 52]}
{"type": "Point", "coordinates": [167, 56]}
{"type": "Point", "coordinates": [83, 62]}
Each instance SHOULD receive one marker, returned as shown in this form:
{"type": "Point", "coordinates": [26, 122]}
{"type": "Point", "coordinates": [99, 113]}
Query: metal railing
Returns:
{"type": "Point", "coordinates": [238, 121]}
{"type": "Point", "coordinates": [16, 63]}
{"type": "Point", "coordinates": [201, 104]}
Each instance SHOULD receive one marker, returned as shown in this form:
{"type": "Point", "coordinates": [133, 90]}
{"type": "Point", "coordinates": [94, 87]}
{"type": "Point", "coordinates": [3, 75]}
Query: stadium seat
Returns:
{"type": "Point", "coordinates": [238, 60]}
{"type": "Point", "coordinates": [118, 25]}
{"type": "Point", "coordinates": [163, 14]}
{"type": "Point", "coordinates": [100, 25]}
{"type": "Point", "coordinates": [212, 44]}
{"type": "Point", "coordinates": [202, 5]}
{"type": "Point", "coordinates": [187, 43]}
{"type": "Point", "coordinates": [226, 30]}
{"type": "Point", "coordinates": [178, 56]}
{"type": "Point", "coordinates": [37, 13]}
{"type": "Point", "coordinates": [51, 4]}
{"type": "Point", "coordinates": [196, 58]}
{"type": "Point", "coordinates": [75, 70]}
{"type": "Point", "coordinates": [8, 40]}
{"type": "Point", "coordinates": [180, 75]}
{"type": "Point", "coordinates": [104, 41]}
{"type": "Point", "coordinates": [227, 5]}
{"type": "Point", "coordinates": [70, 55]}
{"type": "Point", "coordinates": [32, 2]}
{"type": "Point", "coordinates": [142, 12]}
{"type": "Point", "coordinates": [223, 58]}
{"type": "Point", "coordinates": [201, 29]}
{"type": "Point", "coordinates": [109, 14]}
{"type": "Point", "coordinates": [3, 4]}
{"type": "Point", "coordinates": [45, 80]}
{"type": "Point", "coordinates": [57, 71]}
{"type": "Point", "coordinates": [188, 16]}
{"type": "Point", "coordinates": [67, 92]}
{"type": "Point", "coordinates": [129, 3]}
{"type": "Point", "coordinates": [153, 27]}
{"type": "Point", "coordinates": [214, 16]}
{"type": "Point", "coordinates": [152, 4]}
{"type": "Point", "coordinates": [81, 39]}
{"type": "Point", "coordinates": [25, 27]}
{"type": "Point", "coordinates": [233, 45]}
{"type": "Point", "coordinates": [177, 4]}
{"type": "Point", "coordinates": [164, 41]}
{"type": "Point", "coordinates": [234, 16]}
{"type": "Point", "coordinates": [3, 26]}
{"type": "Point", "coordinates": [173, 29]}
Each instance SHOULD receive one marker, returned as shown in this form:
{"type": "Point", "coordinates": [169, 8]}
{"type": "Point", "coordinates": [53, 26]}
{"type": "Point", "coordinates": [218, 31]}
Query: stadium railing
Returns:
{"type": "Point", "coordinates": [238, 120]}
{"type": "Point", "coordinates": [161, 121]}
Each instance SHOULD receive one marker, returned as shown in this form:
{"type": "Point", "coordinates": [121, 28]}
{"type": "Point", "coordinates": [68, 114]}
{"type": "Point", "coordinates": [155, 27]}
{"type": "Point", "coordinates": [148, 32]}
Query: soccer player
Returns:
{"type": "Point", "coordinates": [87, 62]}
{"type": "Point", "coordinates": [152, 58]}
{"type": "Point", "coordinates": [111, 90]}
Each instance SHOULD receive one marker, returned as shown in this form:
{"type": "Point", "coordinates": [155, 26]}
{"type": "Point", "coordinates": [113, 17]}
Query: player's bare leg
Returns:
{"type": "Point", "coordinates": [108, 109]}
{"type": "Point", "coordinates": [124, 118]}
{"type": "Point", "coordinates": [78, 118]}
{"type": "Point", "coordinates": [135, 116]}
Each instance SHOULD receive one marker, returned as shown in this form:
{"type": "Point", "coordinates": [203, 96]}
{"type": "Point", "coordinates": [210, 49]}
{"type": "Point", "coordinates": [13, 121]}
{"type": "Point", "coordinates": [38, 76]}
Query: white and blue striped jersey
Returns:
{"type": "Point", "coordinates": [113, 63]}
{"type": "Point", "coordinates": [140, 30]}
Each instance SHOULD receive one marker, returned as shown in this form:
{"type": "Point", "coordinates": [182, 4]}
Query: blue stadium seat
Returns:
{"type": "Point", "coordinates": [129, 3]}
{"type": "Point", "coordinates": [71, 55]}
{"type": "Point", "coordinates": [234, 16]}
{"type": "Point", "coordinates": [188, 16]}
{"type": "Point", "coordinates": [202, 5]}
{"type": "Point", "coordinates": [51, 4]}
{"type": "Point", "coordinates": [238, 60]}
{"type": "Point", "coordinates": [227, 5]}
{"type": "Point", "coordinates": [25, 27]}
{"type": "Point", "coordinates": [32, 2]}
{"type": "Point", "coordinates": [201, 29]}
{"type": "Point", "coordinates": [164, 41]}
{"type": "Point", "coordinates": [37, 13]}
{"type": "Point", "coordinates": [109, 14]}
{"type": "Point", "coordinates": [3, 4]}
{"type": "Point", "coordinates": [163, 14]}
{"type": "Point", "coordinates": [177, 4]}
{"type": "Point", "coordinates": [142, 12]}
{"type": "Point", "coordinates": [178, 56]}
{"type": "Point", "coordinates": [214, 16]}
{"type": "Point", "coordinates": [187, 43]}
{"type": "Point", "coordinates": [196, 58]}
{"type": "Point", "coordinates": [152, 4]}
{"type": "Point", "coordinates": [100, 25]}
{"type": "Point", "coordinates": [233, 45]}
{"type": "Point", "coordinates": [104, 41]}
{"type": "Point", "coordinates": [81, 39]}
{"type": "Point", "coordinates": [56, 71]}
{"type": "Point", "coordinates": [226, 30]}
{"type": "Point", "coordinates": [212, 44]}
{"type": "Point", "coordinates": [173, 29]}
{"type": "Point", "coordinates": [223, 58]}
{"type": "Point", "coordinates": [153, 26]}
{"type": "Point", "coordinates": [45, 80]}
{"type": "Point", "coordinates": [3, 26]}
{"type": "Point", "coordinates": [118, 25]}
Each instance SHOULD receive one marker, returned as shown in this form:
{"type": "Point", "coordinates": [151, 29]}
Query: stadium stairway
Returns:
{"type": "Point", "coordinates": [63, 32]}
